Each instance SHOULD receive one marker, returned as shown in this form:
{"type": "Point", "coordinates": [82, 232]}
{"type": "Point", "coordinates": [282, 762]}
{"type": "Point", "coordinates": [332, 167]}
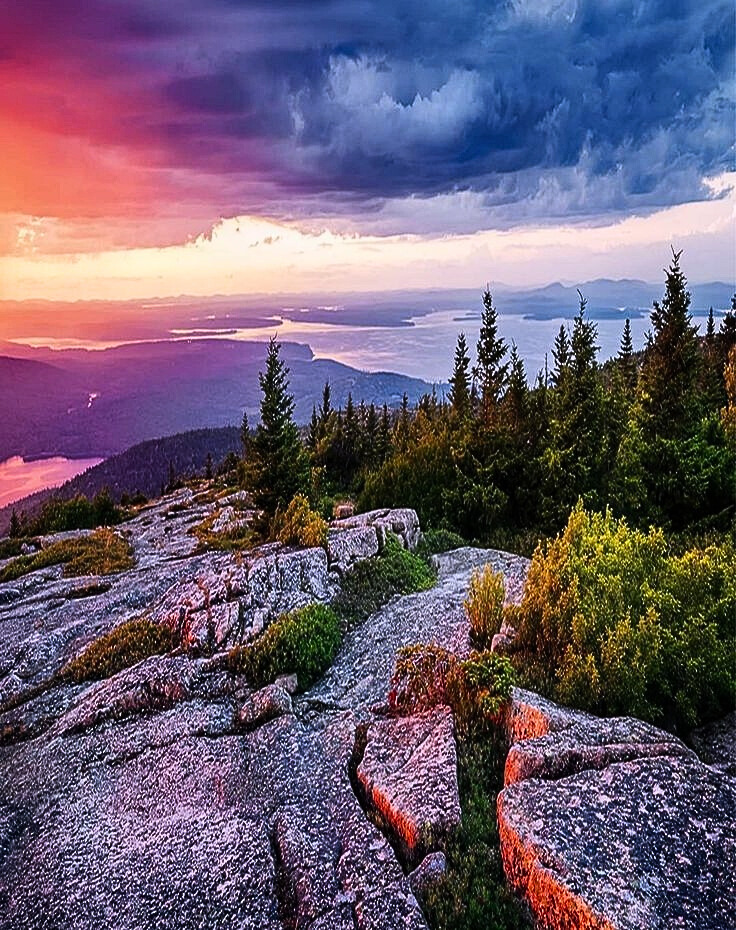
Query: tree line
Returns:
{"type": "Point", "coordinates": [651, 435]}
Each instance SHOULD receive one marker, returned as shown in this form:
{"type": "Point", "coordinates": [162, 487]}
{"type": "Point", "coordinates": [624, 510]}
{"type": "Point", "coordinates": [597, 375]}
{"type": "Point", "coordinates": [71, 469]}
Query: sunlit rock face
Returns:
{"type": "Point", "coordinates": [614, 824]}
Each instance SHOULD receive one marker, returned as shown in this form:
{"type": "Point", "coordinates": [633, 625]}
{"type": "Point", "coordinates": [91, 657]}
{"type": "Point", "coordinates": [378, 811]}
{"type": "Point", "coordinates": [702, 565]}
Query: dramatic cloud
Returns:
{"type": "Point", "coordinates": [387, 116]}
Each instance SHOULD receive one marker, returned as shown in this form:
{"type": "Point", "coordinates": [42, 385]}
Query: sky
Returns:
{"type": "Point", "coordinates": [201, 147]}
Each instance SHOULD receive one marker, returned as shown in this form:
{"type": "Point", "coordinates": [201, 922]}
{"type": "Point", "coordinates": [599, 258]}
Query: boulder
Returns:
{"type": "Point", "coordinates": [266, 704]}
{"type": "Point", "coordinates": [613, 823]}
{"type": "Point", "coordinates": [425, 876]}
{"type": "Point", "coordinates": [409, 775]}
{"type": "Point", "coordinates": [345, 547]}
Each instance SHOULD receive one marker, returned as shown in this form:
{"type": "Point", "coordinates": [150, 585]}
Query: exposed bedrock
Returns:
{"type": "Point", "coordinates": [171, 795]}
{"type": "Point", "coordinates": [614, 824]}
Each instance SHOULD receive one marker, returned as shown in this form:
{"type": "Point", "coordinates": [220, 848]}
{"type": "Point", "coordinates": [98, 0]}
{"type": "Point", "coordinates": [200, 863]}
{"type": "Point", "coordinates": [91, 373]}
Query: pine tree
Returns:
{"type": "Point", "coordinates": [561, 355]}
{"type": "Point", "coordinates": [669, 373]}
{"type": "Point", "coordinates": [517, 393]}
{"type": "Point", "coordinates": [208, 467]}
{"type": "Point", "coordinates": [325, 410]}
{"type": "Point", "coordinates": [403, 423]}
{"type": "Point", "coordinates": [384, 435]}
{"type": "Point", "coordinates": [460, 380]}
{"type": "Point", "coordinates": [313, 435]}
{"type": "Point", "coordinates": [583, 347]}
{"type": "Point", "coordinates": [710, 329]}
{"type": "Point", "coordinates": [626, 360]}
{"type": "Point", "coordinates": [490, 372]}
{"type": "Point", "coordinates": [279, 467]}
{"type": "Point", "coordinates": [244, 434]}
{"type": "Point", "coordinates": [14, 530]}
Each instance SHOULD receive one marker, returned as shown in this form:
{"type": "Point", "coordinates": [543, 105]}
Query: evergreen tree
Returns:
{"type": "Point", "coordinates": [626, 360]}
{"type": "Point", "coordinates": [208, 467]}
{"type": "Point", "coordinates": [313, 435]}
{"type": "Point", "coordinates": [384, 434]}
{"type": "Point", "coordinates": [561, 356]}
{"type": "Point", "coordinates": [726, 336]}
{"type": "Point", "coordinates": [710, 329]}
{"type": "Point", "coordinates": [669, 371]}
{"type": "Point", "coordinates": [403, 423]}
{"type": "Point", "coordinates": [14, 530]}
{"type": "Point", "coordinates": [460, 380]}
{"type": "Point", "coordinates": [279, 467]}
{"type": "Point", "coordinates": [517, 393]}
{"type": "Point", "coordinates": [490, 372]}
{"type": "Point", "coordinates": [244, 434]}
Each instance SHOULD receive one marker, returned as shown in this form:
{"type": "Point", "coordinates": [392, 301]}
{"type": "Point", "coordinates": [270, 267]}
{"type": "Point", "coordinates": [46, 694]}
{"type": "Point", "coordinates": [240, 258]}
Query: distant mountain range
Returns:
{"type": "Point", "coordinates": [82, 403]}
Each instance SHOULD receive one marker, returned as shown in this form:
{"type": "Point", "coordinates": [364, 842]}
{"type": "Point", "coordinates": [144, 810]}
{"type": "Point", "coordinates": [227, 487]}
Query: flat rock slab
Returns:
{"type": "Point", "coordinates": [639, 845]}
{"type": "Point", "coordinates": [613, 824]}
{"type": "Point", "coordinates": [409, 774]}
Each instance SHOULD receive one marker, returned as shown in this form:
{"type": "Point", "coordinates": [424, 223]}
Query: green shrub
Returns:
{"type": "Point", "coordinates": [372, 583]}
{"type": "Point", "coordinates": [484, 605]}
{"type": "Point", "coordinates": [304, 641]}
{"type": "Point", "coordinates": [79, 513]}
{"type": "Point", "coordinates": [473, 894]}
{"type": "Point", "coordinates": [476, 689]}
{"type": "Point", "coordinates": [299, 525]}
{"type": "Point", "coordinates": [434, 541]}
{"type": "Point", "coordinates": [623, 627]}
{"type": "Point", "coordinates": [419, 679]}
{"type": "Point", "coordinates": [101, 553]}
{"type": "Point", "coordinates": [121, 648]}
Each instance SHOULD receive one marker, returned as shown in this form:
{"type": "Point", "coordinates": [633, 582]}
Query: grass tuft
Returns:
{"type": "Point", "coordinates": [121, 648]}
{"type": "Point", "coordinates": [101, 553]}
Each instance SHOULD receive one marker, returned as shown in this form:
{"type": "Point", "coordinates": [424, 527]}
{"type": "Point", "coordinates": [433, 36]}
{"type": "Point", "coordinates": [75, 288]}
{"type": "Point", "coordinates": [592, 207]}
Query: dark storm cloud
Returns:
{"type": "Point", "coordinates": [571, 106]}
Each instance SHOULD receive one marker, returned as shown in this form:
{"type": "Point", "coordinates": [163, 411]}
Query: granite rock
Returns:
{"type": "Point", "coordinates": [614, 824]}
{"type": "Point", "coordinates": [409, 775]}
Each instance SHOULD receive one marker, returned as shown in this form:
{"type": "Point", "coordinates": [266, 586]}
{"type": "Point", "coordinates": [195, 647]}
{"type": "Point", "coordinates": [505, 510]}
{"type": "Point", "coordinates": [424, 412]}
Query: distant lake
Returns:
{"type": "Point", "coordinates": [425, 348]}
{"type": "Point", "coordinates": [19, 478]}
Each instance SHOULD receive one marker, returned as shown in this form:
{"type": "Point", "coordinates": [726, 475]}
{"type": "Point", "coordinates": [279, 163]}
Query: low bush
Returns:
{"type": "Point", "coordinates": [419, 679]}
{"type": "Point", "coordinates": [473, 894]}
{"type": "Point", "coordinates": [299, 525]}
{"type": "Point", "coordinates": [623, 627]}
{"type": "Point", "coordinates": [121, 648]}
{"type": "Point", "coordinates": [372, 583]}
{"type": "Point", "coordinates": [476, 688]}
{"type": "Point", "coordinates": [434, 541]}
{"type": "Point", "coordinates": [233, 540]}
{"type": "Point", "coordinates": [304, 641]}
{"type": "Point", "coordinates": [101, 553]}
{"type": "Point", "coordinates": [484, 605]}
{"type": "Point", "coordinates": [79, 513]}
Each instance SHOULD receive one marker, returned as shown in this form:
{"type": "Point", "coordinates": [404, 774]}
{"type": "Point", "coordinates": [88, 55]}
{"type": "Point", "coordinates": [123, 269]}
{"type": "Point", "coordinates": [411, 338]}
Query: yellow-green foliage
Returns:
{"type": "Point", "coordinates": [484, 604]}
{"type": "Point", "coordinates": [121, 648]}
{"type": "Point", "coordinates": [624, 628]}
{"type": "Point", "coordinates": [299, 525]}
{"type": "Point", "coordinates": [101, 553]}
{"type": "Point", "coordinates": [304, 641]}
{"type": "Point", "coordinates": [237, 538]}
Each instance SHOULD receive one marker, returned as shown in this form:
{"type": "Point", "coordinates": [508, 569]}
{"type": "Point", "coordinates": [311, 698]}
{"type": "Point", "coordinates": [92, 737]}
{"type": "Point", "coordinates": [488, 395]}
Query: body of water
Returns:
{"type": "Point", "coordinates": [425, 349]}
{"type": "Point", "coordinates": [18, 478]}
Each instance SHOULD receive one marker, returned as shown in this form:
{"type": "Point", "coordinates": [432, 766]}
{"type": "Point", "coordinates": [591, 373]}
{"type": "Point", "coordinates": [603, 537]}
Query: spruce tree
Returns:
{"type": "Point", "coordinates": [515, 399]}
{"type": "Point", "coordinates": [490, 372]}
{"type": "Point", "coordinates": [626, 360]}
{"type": "Point", "coordinates": [669, 373]}
{"type": "Point", "coordinates": [460, 380]}
{"type": "Point", "coordinates": [561, 355]}
{"type": "Point", "coordinates": [244, 434]}
{"type": "Point", "coordinates": [279, 467]}
{"type": "Point", "coordinates": [14, 530]}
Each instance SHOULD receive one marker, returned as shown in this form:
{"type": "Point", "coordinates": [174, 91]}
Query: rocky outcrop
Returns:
{"type": "Point", "coordinates": [169, 795]}
{"type": "Point", "coordinates": [614, 824]}
{"type": "Point", "coordinates": [212, 600]}
{"type": "Point", "coordinates": [409, 775]}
